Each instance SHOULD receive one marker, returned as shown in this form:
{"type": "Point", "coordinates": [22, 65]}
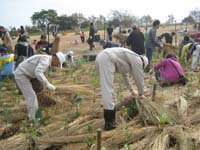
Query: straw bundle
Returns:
{"type": "Point", "coordinates": [150, 112]}
{"type": "Point", "coordinates": [182, 108]}
{"type": "Point", "coordinates": [195, 118]}
{"type": "Point", "coordinates": [73, 89]}
{"type": "Point", "coordinates": [46, 99]}
{"type": "Point", "coordinates": [159, 143]}
{"type": "Point", "coordinates": [36, 84]}
{"type": "Point", "coordinates": [55, 47]}
{"type": "Point", "coordinates": [168, 48]}
{"type": "Point", "coordinates": [181, 136]}
{"type": "Point", "coordinates": [121, 38]}
{"type": "Point", "coordinates": [18, 142]}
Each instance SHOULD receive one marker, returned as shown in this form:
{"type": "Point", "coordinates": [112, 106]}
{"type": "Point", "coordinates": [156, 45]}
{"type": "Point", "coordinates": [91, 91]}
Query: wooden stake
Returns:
{"type": "Point", "coordinates": [154, 92]}
{"type": "Point", "coordinates": [99, 139]}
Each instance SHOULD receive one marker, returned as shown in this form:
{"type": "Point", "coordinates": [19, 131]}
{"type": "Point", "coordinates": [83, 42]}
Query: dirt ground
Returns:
{"type": "Point", "coordinates": [71, 115]}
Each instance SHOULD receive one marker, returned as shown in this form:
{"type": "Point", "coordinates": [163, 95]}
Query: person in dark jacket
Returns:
{"type": "Point", "coordinates": [168, 37]}
{"type": "Point", "coordinates": [23, 50]}
{"type": "Point", "coordinates": [43, 45]}
{"type": "Point", "coordinates": [108, 44]}
{"type": "Point", "coordinates": [136, 41]}
{"type": "Point", "coordinates": [91, 35]}
{"type": "Point", "coordinates": [109, 32]}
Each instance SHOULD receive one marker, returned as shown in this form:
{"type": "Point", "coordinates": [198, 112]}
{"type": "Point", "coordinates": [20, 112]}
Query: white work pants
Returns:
{"type": "Point", "coordinates": [106, 70]}
{"type": "Point", "coordinates": [25, 86]}
{"type": "Point", "coordinates": [195, 57]}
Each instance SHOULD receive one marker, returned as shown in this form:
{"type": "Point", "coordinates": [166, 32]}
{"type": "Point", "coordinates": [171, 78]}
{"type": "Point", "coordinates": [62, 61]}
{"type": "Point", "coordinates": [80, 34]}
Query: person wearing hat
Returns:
{"type": "Point", "coordinates": [151, 42]}
{"type": "Point", "coordinates": [70, 56]}
{"type": "Point", "coordinates": [6, 64]}
{"type": "Point", "coordinates": [126, 62]}
{"type": "Point", "coordinates": [23, 50]}
{"type": "Point", "coordinates": [167, 72]}
{"type": "Point", "coordinates": [35, 67]}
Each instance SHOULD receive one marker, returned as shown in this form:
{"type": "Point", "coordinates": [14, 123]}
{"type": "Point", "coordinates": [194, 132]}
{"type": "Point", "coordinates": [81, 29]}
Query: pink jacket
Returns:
{"type": "Point", "coordinates": [167, 70]}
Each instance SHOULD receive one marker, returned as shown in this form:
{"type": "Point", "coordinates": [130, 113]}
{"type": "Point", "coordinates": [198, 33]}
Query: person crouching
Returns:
{"type": "Point", "coordinates": [35, 67]}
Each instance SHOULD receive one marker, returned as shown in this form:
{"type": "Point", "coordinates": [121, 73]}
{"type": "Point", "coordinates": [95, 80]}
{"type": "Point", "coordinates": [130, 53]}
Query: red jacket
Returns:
{"type": "Point", "coordinates": [167, 70]}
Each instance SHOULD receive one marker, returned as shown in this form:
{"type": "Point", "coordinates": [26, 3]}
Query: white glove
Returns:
{"type": "Point", "coordinates": [51, 87]}
{"type": "Point", "coordinates": [141, 97]}
{"type": "Point", "coordinates": [161, 45]}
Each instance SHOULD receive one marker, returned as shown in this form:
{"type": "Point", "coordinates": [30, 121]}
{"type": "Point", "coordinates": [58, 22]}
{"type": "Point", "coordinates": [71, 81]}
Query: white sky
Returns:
{"type": "Point", "coordinates": [18, 12]}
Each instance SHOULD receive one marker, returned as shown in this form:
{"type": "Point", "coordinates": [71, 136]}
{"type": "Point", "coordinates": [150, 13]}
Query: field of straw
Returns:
{"type": "Point", "coordinates": [168, 119]}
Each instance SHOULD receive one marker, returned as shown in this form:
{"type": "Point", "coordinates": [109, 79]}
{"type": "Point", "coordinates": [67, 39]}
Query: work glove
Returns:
{"type": "Point", "coordinates": [51, 87]}
{"type": "Point", "coordinates": [141, 97]}
{"type": "Point", "coordinates": [133, 92]}
{"type": "Point", "coordinates": [161, 45]}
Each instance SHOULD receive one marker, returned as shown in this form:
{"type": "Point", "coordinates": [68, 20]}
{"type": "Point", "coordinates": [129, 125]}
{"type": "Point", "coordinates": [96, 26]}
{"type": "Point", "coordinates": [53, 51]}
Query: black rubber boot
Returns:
{"type": "Point", "coordinates": [109, 117]}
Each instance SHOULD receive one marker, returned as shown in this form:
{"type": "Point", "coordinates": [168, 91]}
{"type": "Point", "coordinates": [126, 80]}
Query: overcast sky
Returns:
{"type": "Point", "coordinates": [18, 12]}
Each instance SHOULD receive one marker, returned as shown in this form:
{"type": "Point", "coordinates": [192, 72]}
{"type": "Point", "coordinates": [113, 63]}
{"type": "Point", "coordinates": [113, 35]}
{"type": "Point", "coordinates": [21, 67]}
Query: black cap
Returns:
{"type": "Point", "coordinates": [2, 49]}
{"type": "Point", "coordinates": [171, 56]}
{"type": "Point", "coordinates": [186, 38]}
{"type": "Point", "coordinates": [43, 36]}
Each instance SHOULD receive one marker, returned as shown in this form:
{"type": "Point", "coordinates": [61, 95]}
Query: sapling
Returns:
{"type": "Point", "coordinates": [90, 140]}
{"type": "Point", "coordinates": [126, 147]}
{"type": "Point", "coordinates": [126, 131]}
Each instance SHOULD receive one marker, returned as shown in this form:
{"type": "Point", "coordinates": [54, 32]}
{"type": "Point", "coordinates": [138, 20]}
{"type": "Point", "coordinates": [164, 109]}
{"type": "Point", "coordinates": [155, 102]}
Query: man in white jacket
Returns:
{"type": "Point", "coordinates": [126, 62]}
{"type": "Point", "coordinates": [35, 67]}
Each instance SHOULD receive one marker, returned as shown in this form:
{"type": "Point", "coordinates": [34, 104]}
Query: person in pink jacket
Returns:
{"type": "Point", "coordinates": [167, 72]}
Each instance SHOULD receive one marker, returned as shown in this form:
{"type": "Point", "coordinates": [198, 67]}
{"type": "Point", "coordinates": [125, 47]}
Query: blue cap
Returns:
{"type": "Point", "coordinates": [2, 49]}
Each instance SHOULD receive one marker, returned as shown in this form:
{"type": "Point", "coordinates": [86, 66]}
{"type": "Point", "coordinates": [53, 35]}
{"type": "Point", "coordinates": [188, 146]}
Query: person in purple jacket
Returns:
{"type": "Point", "coordinates": [167, 72]}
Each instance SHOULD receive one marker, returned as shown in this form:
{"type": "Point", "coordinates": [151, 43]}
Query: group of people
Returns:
{"type": "Point", "coordinates": [23, 66]}
{"type": "Point", "coordinates": [129, 62]}
{"type": "Point", "coordinates": [133, 63]}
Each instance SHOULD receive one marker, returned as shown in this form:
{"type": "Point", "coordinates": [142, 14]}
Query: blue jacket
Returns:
{"type": "Point", "coordinates": [7, 64]}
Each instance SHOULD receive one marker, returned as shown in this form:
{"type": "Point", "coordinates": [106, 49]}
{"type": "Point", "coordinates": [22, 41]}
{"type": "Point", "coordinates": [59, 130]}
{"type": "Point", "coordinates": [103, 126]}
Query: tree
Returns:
{"type": "Point", "coordinates": [170, 19]}
{"type": "Point", "coordinates": [146, 20]}
{"type": "Point", "coordinates": [79, 19]}
{"type": "Point", "coordinates": [42, 18]}
{"type": "Point", "coordinates": [196, 15]}
{"type": "Point", "coordinates": [100, 22]}
{"type": "Point", "coordinates": [188, 19]}
{"type": "Point", "coordinates": [123, 18]}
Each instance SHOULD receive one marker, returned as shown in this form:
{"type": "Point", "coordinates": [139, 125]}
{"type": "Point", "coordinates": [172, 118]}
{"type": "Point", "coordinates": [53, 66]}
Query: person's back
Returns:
{"type": "Point", "coordinates": [168, 38]}
{"type": "Point", "coordinates": [168, 69]}
{"type": "Point", "coordinates": [23, 50]}
{"type": "Point", "coordinates": [136, 41]}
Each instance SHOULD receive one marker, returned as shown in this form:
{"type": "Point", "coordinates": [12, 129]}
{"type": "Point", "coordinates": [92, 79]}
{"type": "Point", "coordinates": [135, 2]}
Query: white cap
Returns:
{"type": "Point", "coordinates": [145, 60]}
{"type": "Point", "coordinates": [61, 58]}
{"type": "Point", "coordinates": [70, 53]}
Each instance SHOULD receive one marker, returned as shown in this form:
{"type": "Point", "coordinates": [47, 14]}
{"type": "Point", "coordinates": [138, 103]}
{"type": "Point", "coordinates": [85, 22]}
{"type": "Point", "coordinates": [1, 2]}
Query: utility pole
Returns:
{"type": "Point", "coordinates": [175, 34]}
{"type": "Point", "coordinates": [104, 29]}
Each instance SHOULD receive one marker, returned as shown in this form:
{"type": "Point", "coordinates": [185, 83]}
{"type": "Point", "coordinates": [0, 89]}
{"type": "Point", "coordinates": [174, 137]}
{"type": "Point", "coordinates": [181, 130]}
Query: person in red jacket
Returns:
{"type": "Point", "coordinates": [167, 72]}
